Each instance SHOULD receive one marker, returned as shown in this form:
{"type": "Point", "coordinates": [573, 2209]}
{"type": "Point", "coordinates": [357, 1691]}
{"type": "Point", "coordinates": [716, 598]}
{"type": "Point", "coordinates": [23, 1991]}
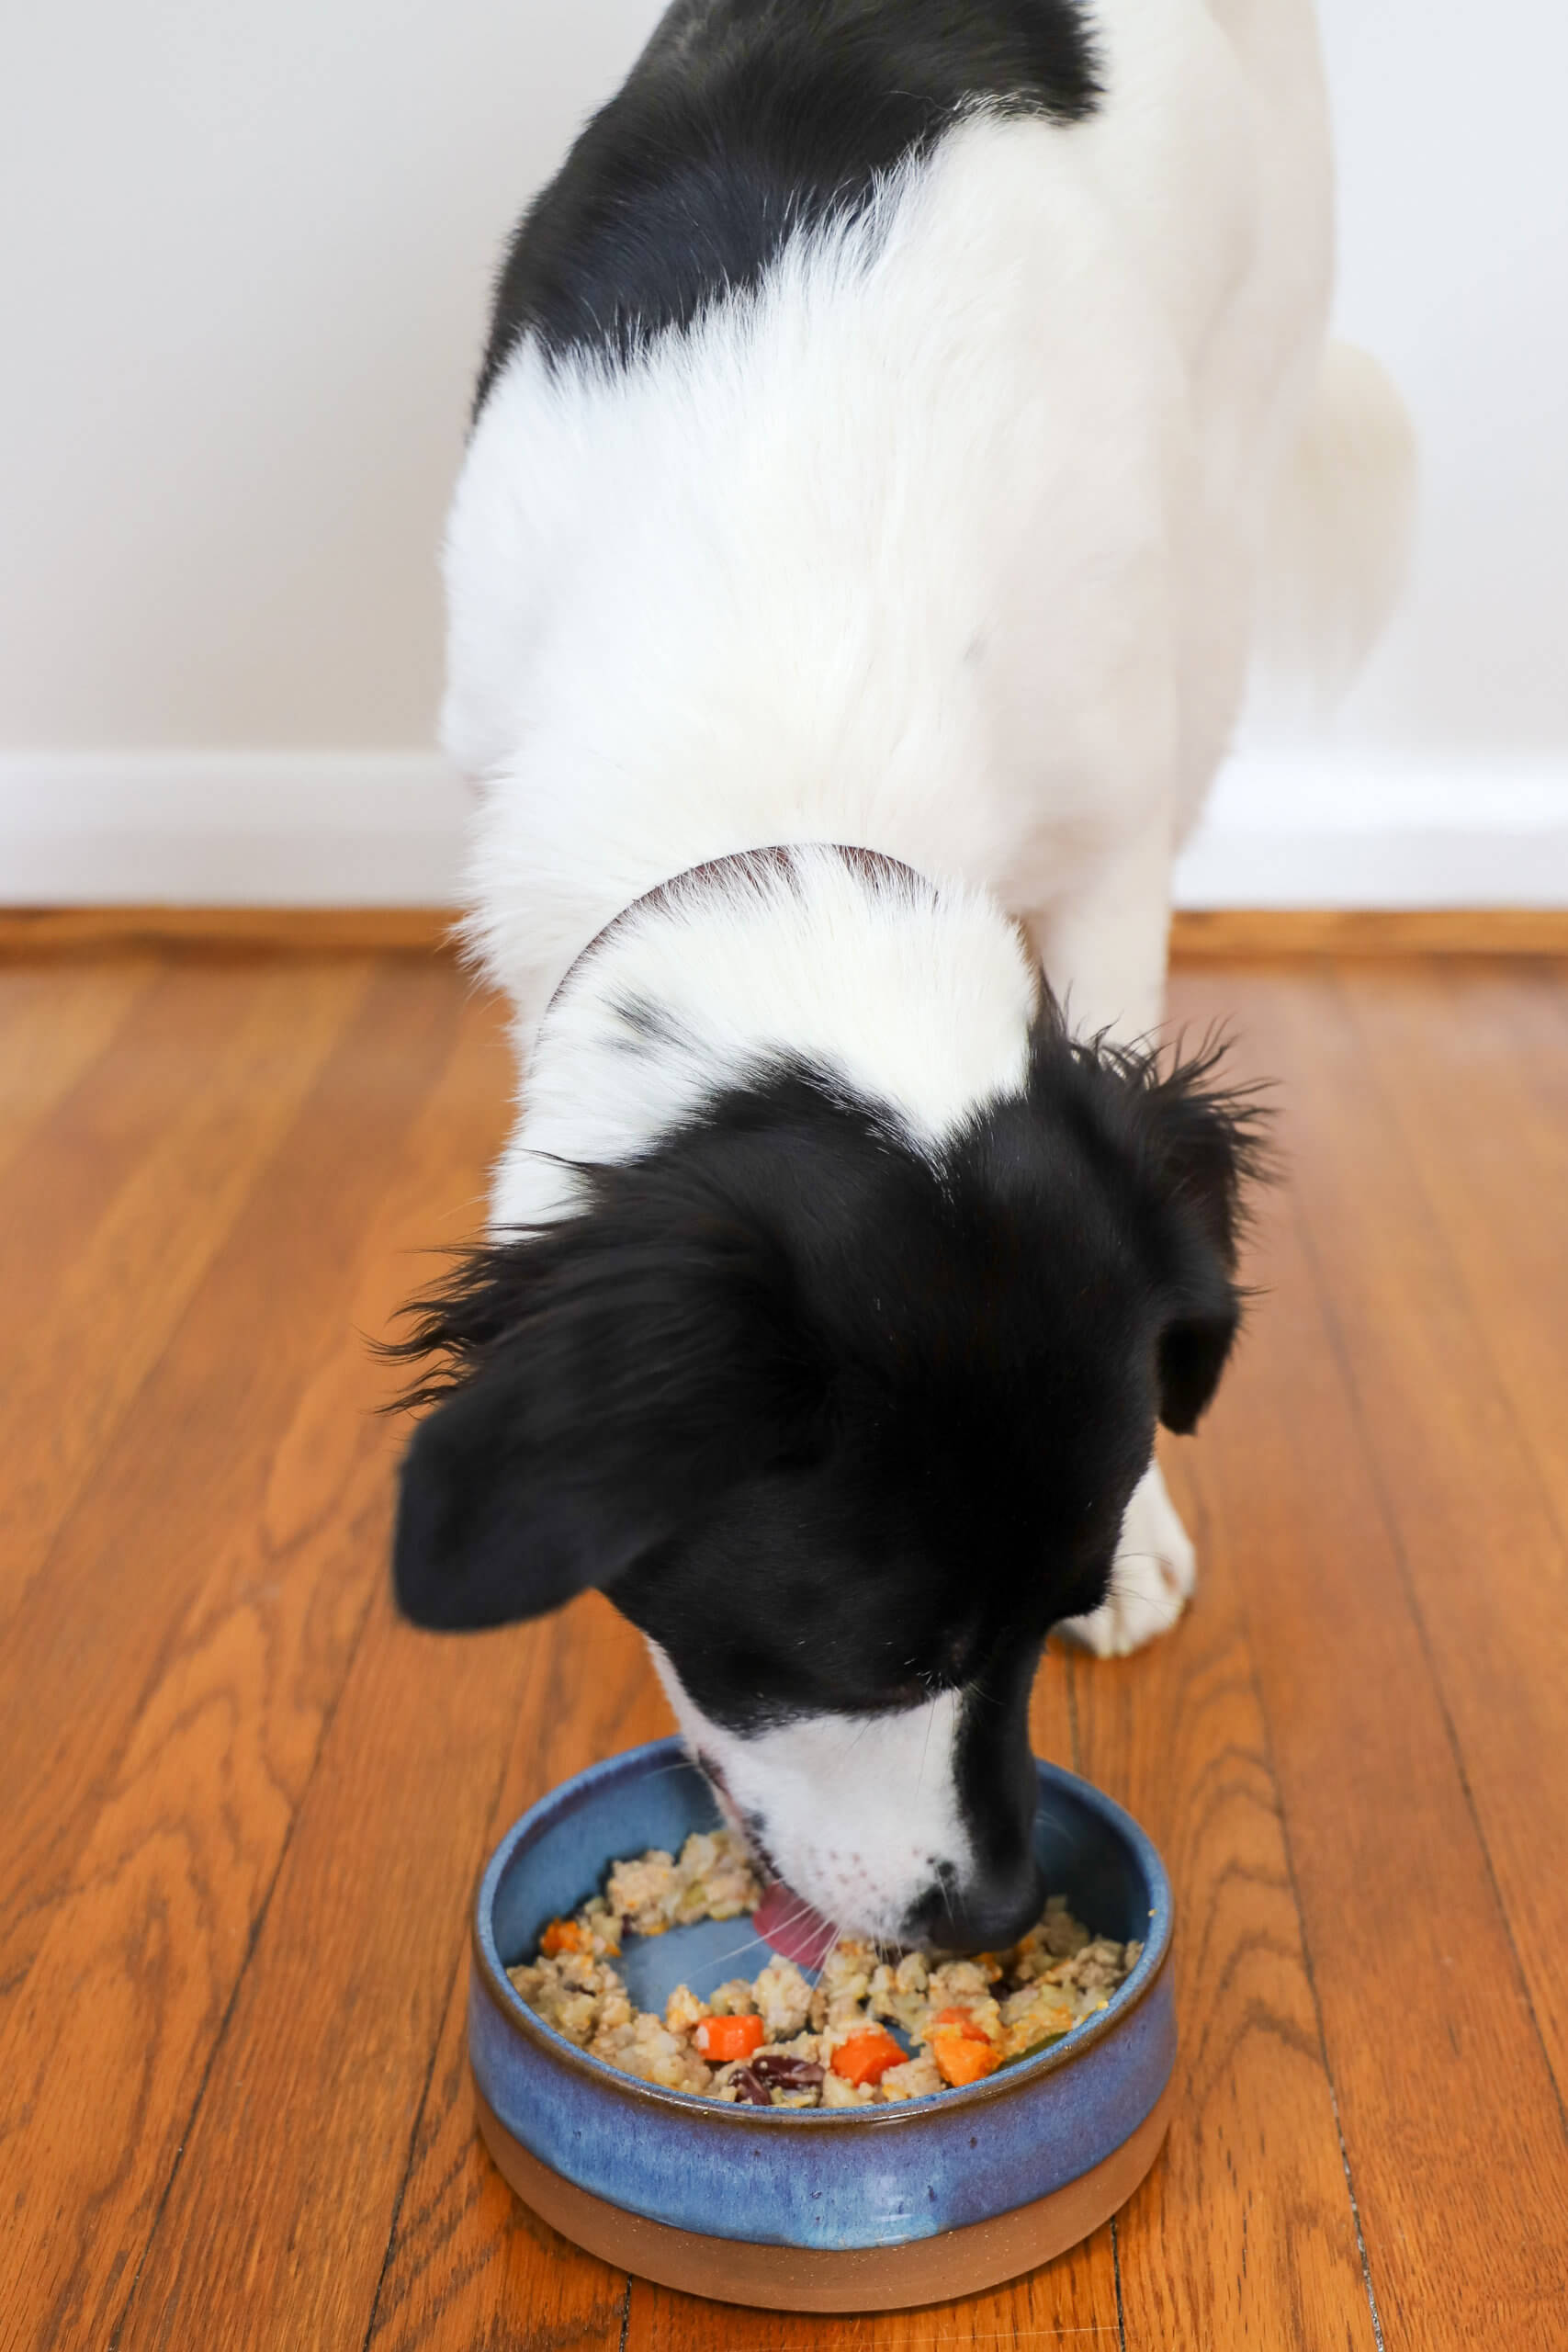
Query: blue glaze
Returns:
{"type": "Point", "coordinates": [823, 2178]}
{"type": "Point", "coordinates": [704, 1957]}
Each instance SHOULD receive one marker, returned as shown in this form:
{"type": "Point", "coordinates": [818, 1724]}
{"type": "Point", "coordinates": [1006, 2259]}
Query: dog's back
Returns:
{"type": "Point", "coordinates": [743, 125]}
{"type": "Point", "coordinates": [874, 443]}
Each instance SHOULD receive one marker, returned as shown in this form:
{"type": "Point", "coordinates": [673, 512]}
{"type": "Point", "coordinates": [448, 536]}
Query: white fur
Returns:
{"type": "Point", "coordinates": [921, 1000]}
{"type": "Point", "coordinates": [860, 1813]}
{"type": "Point", "coordinates": [1339, 531]}
{"type": "Point", "coordinates": [1151, 1581]}
{"type": "Point", "coordinates": [946, 543]}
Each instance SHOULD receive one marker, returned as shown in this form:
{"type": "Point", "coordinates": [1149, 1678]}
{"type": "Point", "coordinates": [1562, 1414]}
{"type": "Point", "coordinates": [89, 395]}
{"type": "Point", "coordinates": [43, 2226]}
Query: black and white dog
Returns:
{"type": "Point", "coordinates": [895, 417]}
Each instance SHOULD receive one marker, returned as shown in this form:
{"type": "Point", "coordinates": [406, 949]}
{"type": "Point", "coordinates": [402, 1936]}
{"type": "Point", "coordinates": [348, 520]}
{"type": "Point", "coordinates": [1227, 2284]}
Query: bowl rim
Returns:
{"type": "Point", "coordinates": [951, 2099]}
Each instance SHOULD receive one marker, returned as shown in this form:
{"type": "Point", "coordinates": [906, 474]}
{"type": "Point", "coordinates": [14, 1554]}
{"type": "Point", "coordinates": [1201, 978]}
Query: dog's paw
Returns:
{"type": "Point", "coordinates": [1152, 1577]}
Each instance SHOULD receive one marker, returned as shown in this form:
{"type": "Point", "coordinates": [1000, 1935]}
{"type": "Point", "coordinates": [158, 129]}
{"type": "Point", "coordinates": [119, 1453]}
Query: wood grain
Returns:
{"type": "Point", "coordinates": [140, 1854]}
{"type": "Point", "coordinates": [1245, 933]}
{"type": "Point", "coordinates": [116, 1206]}
{"type": "Point", "coordinates": [1071, 2303]}
{"type": "Point", "coordinates": [54, 1025]}
{"type": "Point", "coordinates": [245, 1807]}
{"type": "Point", "coordinates": [1053, 1707]}
{"type": "Point", "coordinates": [470, 2269]}
{"type": "Point", "coordinates": [1486, 1122]}
{"type": "Point", "coordinates": [1197, 934]}
{"type": "Point", "coordinates": [1482, 1554]}
{"type": "Point", "coordinates": [30, 932]}
{"type": "Point", "coordinates": [1422, 2008]}
{"type": "Point", "coordinates": [273, 1650]}
{"type": "Point", "coordinates": [1243, 2234]}
{"type": "Point", "coordinates": [187, 1482]}
{"type": "Point", "coordinates": [373, 1882]}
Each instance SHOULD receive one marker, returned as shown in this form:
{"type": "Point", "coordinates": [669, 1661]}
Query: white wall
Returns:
{"type": "Point", "coordinates": [1445, 777]}
{"type": "Point", "coordinates": [241, 331]}
{"type": "Point", "coordinates": [1454, 266]}
{"type": "Point", "coordinates": [247, 259]}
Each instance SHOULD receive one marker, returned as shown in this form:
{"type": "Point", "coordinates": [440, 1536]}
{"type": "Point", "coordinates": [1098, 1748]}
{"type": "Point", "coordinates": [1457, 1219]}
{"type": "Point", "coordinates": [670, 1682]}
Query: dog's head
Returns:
{"type": "Point", "coordinates": [844, 1425]}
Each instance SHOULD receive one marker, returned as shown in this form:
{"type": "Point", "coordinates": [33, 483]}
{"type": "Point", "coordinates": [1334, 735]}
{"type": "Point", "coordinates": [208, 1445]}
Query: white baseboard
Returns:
{"type": "Point", "coordinates": [370, 829]}
{"type": "Point", "coordinates": [281, 828]}
{"type": "Point", "coordinates": [1329, 832]}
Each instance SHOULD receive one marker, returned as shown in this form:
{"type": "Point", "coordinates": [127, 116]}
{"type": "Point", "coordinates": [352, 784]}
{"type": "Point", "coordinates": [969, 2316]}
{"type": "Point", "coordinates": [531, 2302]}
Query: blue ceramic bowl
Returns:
{"type": "Point", "coordinates": [835, 2209]}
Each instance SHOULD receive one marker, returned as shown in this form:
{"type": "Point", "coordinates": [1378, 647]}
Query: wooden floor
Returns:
{"type": "Point", "coordinates": [243, 1807]}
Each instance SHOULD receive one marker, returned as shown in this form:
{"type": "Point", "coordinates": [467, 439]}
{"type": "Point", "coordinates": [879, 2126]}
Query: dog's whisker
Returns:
{"type": "Point", "coordinates": [751, 1943]}
{"type": "Point", "coordinates": [925, 1746]}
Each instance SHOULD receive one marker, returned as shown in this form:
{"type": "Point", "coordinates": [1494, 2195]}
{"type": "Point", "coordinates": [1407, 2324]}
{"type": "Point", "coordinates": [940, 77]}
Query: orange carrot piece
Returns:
{"type": "Point", "coordinates": [866, 2056]}
{"type": "Point", "coordinates": [561, 1935]}
{"type": "Point", "coordinates": [958, 2021]}
{"type": "Point", "coordinates": [960, 2059]}
{"type": "Point", "coordinates": [722, 2039]}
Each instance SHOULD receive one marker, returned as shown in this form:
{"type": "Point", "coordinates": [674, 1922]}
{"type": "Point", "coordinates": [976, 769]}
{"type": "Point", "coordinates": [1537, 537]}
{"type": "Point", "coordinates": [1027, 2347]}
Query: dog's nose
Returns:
{"type": "Point", "coordinates": [987, 1915]}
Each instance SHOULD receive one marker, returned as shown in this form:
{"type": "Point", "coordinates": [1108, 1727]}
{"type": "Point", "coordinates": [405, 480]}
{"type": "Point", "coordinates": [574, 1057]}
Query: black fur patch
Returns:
{"type": "Point", "coordinates": [836, 1423]}
{"type": "Point", "coordinates": [746, 119]}
{"type": "Point", "coordinates": [784, 1337]}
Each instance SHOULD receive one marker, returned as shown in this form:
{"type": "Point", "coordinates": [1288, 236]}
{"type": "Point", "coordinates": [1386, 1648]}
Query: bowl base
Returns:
{"type": "Point", "coordinates": [819, 2279]}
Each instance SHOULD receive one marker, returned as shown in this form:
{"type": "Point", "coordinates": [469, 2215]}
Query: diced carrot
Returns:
{"type": "Point", "coordinates": [958, 2021]}
{"type": "Point", "coordinates": [866, 2056]}
{"type": "Point", "coordinates": [960, 2059]}
{"type": "Point", "coordinates": [561, 1935]}
{"type": "Point", "coordinates": [722, 2039]}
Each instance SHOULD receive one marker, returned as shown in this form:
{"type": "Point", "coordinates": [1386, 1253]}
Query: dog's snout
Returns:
{"type": "Point", "coordinates": [986, 1914]}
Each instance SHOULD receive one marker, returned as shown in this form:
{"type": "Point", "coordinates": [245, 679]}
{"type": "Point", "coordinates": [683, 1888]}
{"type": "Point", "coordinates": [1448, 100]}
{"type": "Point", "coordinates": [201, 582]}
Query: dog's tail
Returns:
{"type": "Point", "coordinates": [1339, 538]}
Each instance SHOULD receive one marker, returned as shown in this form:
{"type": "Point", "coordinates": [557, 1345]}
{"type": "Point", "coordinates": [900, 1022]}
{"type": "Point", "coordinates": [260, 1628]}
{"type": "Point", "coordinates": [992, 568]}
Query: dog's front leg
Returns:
{"type": "Point", "coordinates": [1103, 945]}
{"type": "Point", "coordinates": [1103, 950]}
{"type": "Point", "coordinates": [1155, 1570]}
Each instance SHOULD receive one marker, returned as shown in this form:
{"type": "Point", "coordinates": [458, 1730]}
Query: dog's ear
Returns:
{"type": "Point", "coordinates": [1194, 1348]}
{"type": "Point", "coordinates": [603, 1382]}
{"type": "Point", "coordinates": [1204, 1144]}
{"type": "Point", "coordinates": [1180, 1149]}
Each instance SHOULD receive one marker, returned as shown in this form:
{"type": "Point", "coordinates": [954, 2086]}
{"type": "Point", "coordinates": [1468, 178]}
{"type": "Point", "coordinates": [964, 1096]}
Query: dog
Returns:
{"type": "Point", "coordinates": [896, 417]}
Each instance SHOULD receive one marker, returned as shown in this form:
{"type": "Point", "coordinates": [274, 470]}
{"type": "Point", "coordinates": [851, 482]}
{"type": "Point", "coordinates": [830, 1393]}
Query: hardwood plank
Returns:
{"type": "Point", "coordinates": [54, 1025]}
{"type": "Point", "coordinates": [363, 1950]}
{"type": "Point", "coordinates": [472, 2268]}
{"type": "Point", "coordinates": [1197, 934]}
{"type": "Point", "coordinates": [1333, 1740]}
{"type": "Point", "coordinates": [1071, 2302]}
{"type": "Point", "coordinates": [186, 1490]}
{"type": "Point", "coordinates": [1243, 2234]}
{"type": "Point", "coordinates": [468, 2264]}
{"type": "Point", "coordinates": [138, 1936]}
{"type": "Point", "coordinates": [35, 932]}
{"type": "Point", "coordinates": [140, 1862]}
{"type": "Point", "coordinates": [1053, 1708]}
{"type": "Point", "coordinates": [1487, 1118]}
{"type": "Point", "coordinates": [1483, 1554]}
{"type": "Point", "coordinates": [1249, 932]}
{"type": "Point", "coordinates": [116, 1206]}
{"type": "Point", "coordinates": [1453, 2135]}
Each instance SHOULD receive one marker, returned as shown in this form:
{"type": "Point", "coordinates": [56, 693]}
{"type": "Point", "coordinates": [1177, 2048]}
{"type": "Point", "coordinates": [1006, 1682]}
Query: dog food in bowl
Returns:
{"type": "Point", "coordinates": [869, 2031]}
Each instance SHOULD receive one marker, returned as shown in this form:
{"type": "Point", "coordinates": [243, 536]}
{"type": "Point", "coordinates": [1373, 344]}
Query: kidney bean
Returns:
{"type": "Point", "coordinates": [781, 2072]}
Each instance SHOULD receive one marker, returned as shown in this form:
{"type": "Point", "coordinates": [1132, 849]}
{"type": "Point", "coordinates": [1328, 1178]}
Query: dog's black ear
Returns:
{"type": "Point", "coordinates": [1193, 1351]}
{"type": "Point", "coordinates": [482, 1538]}
{"type": "Point", "coordinates": [1185, 1148]}
{"type": "Point", "coordinates": [601, 1382]}
{"type": "Point", "coordinates": [1204, 1144]}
